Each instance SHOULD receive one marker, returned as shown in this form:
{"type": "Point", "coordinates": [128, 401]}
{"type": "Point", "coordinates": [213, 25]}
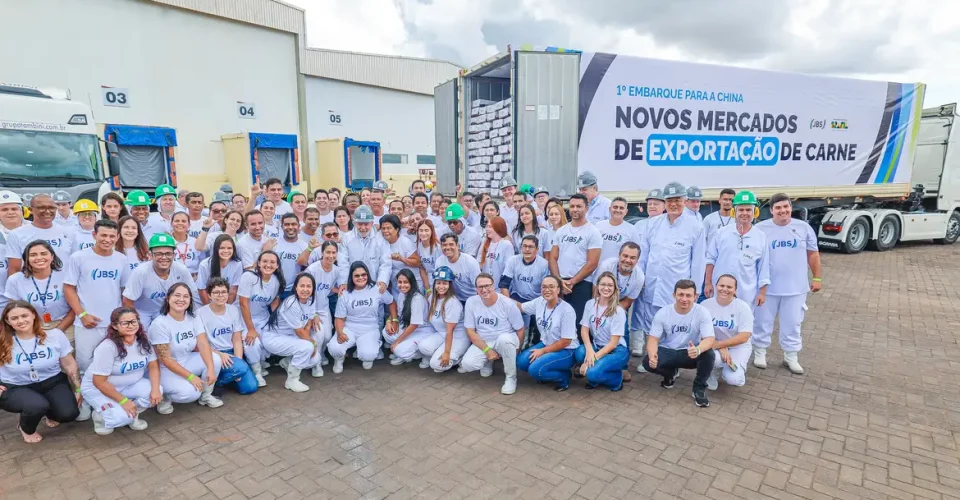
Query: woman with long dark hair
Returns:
{"type": "Point", "coordinates": [132, 242]}
{"type": "Point", "coordinates": [490, 210]}
{"type": "Point", "coordinates": [414, 322]}
{"type": "Point", "coordinates": [223, 262]}
{"type": "Point", "coordinates": [496, 248]}
{"type": "Point", "coordinates": [38, 375]}
{"type": "Point", "coordinates": [325, 272]}
{"type": "Point", "coordinates": [123, 379]}
{"type": "Point", "coordinates": [112, 207]}
{"type": "Point", "coordinates": [428, 248]}
{"type": "Point", "coordinates": [40, 283]}
{"type": "Point", "coordinates": [188, 366]}
{"type": "Point", "coordinates": [357, 319]}
{"type": "Point", "coordinates": [403, 252]}
{"type": "Point", "coordinates": [259, 295]}
{"type": "Point", "coordinates": [293, 333]}
{"type": "Point", "coordinates": [551, 359]}
{"type": "Point", "coordinates": [224, 327]}
{"type": "Point", "coordinates": [527, 224]}
{"type": "Point", "coordinates": [445, 313]}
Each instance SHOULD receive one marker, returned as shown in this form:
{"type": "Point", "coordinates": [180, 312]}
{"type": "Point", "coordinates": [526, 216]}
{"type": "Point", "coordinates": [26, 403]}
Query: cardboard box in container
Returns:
{"type": "Point", "coordinates": [508, 120]}
{"type": "Point", "coordinates": [480, 102]}
{"type": "Point", "coordinates": [496, 123]}
{"type": "Point", "coordinates": [498, 158]}
{"type": "Point", "coordinates": [497, 176]}
{"type": "Point", "coordinates": [496, 141]}
{"type": "Point", "coordinates": [503, 113]}
{"type": "Point", "coordinates": [491, 116]}
{"type": "Point", "coordinates": [506, 167]}
{"type": "Point", "coordinates": [486, 159]}
{"type": "Point", "coordinates": [503, 149]}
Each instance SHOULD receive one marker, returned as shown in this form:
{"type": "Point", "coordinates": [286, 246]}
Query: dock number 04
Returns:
{"type": "Point", "coordinates": [246, 110]}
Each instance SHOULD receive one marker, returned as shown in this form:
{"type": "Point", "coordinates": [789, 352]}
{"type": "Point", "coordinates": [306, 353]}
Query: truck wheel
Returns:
{"type": "Point", "coordinates": [953, 230]}
{"type": "Point", "coordinates": [888, 236]}
{"type": "Point", "coordinates": [857, 236]}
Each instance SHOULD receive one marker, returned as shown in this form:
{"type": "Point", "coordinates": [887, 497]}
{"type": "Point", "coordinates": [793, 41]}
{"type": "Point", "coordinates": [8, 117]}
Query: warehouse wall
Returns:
{"type": "Point", "coordinates": [183, 70]}
{"type": "Point", "coordinates": [401, 121]}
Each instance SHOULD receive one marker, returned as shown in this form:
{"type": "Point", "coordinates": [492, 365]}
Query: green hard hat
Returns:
{"type": "Point", "coordinates": [138, 198]}
{"type": "Point", "coordinates": [161, 240]}
{"type": "Point", "coordinates": [292, 194]}
{"type": "Point", "coordinates": [454, 212]}
{"type": "Point", "coordinates": [526, 189]}
{"type": "Point", "coordinates": [745, 198]}
{"type": "Point", "coordinates": [163, 190]}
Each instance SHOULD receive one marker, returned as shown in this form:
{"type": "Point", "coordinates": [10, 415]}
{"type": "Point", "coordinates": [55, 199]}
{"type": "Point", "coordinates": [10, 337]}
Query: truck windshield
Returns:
{"type": "Point", "coordinates": [48, 157]}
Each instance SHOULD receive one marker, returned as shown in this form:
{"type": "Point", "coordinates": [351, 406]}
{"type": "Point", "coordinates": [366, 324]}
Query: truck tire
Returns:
{"type": "Point", "coordinates": [857, 236]}
{"type": "Point", "coordinates": [953, 230]}
{"type": "Point", "coordinates": [887, 236]}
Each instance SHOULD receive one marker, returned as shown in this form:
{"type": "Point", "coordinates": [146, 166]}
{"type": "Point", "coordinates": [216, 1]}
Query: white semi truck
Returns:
{"type": "Point", "coordinates": [49, 143]}
{"type": "Point", "coordinates": [866, 164]}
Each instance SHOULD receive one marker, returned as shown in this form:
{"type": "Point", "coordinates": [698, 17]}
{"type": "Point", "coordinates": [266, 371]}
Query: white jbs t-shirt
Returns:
{"type": "Point", "coordinates": [261, 294]}
{"type": "Point", "coordinates": [120, 372]}
{"type": "Point", "coordinates": [289, 252]}
{"type": "Point", "coordinates": [788, 246]}
{"type": "Point", "coordinates": [148, 291]}
{"type": "Point", "coordinates": [451, 312]}
{"type": "Point", "coordinates": [59, 237]}
{"type": "Point", "coordinates": [187, 254]}
{"type": "Point", "coordinates": [731, 319]}
{"type": "Point", "coordinates": [603, 327]}
{"type": "Point", "coordinates": [45, 295]}
{"type": "Point", "coordinates": [490, 322]}
{"type": "Point", "coordinates": [43, 357]}
{"type": "Point", "coordinates": [294, 315]}
{"type": "Point", "coordinates": [361, 308]}
{"type": "Point", "coordinates": [676, 330]}
{"type": "Point", "coordinates": [554, 324]}
{"type": "Point", "coordinates": [181, 336]}
{"type": "Point", "coordinates": [221, 327]}
{"type": "Point", "coordinates": [574, 243]}
{"type": "Point", "coordinates": [98, 281]}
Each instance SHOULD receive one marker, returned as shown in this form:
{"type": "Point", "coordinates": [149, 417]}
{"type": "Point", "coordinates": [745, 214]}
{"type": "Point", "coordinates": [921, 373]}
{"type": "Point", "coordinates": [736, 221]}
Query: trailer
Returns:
{"type": "Point", "coordinates": [844, 149]}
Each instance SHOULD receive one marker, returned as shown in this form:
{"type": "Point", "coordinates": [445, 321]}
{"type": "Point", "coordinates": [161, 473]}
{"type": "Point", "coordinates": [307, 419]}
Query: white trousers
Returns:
{"type": "Point", "coordinates": [506, 346]}
{"type": "Point", "coordinates": [433, 347]}
{"type": "Point", "coordinates": [254, 353]}
{"type": "Point", "coordinates": [303, 354]}
{"type": "Point", "coordinates": [409, 349]}
{"type": "Point", "coordinates": [740, 355]}
{"type": "Point", "coordinates": [367, 344]}
{"type": "Point", "coordinates": [86, 341]}
{"type": "Point", "coordinates": [114, 415]}
{"type": "Point", "coordinates": [791, 309]}
{"type": "Point", "coordinates": [176, 388]}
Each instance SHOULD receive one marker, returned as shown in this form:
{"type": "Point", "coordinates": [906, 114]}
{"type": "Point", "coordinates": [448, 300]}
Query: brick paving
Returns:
{"type": "Point", "coordinates": [876, 416]}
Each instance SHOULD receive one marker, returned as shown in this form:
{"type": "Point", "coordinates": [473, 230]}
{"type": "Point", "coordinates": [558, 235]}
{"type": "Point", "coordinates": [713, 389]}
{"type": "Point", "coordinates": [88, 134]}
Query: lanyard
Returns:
{"type": "Point", "coordinates": [34, 376]}
{"type": "Point", "coordinates": [546, 319]}
{"type": "Point", "coordinates": [596, 317]}
{"type": "Point", "coordinates": [183, 254]}
{"type": "Point", "coordinates": [724, 224]}
{"type": "Point", "coordinates": [43, 296]}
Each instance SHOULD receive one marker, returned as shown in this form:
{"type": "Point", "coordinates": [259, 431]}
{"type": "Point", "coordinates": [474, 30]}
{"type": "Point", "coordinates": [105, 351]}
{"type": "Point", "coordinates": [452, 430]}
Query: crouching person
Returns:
{"type": "Point", "coordinates": [603, 359]}
{"type": "Point", "coordinates": [225, 329]}
{"type": "Point", "coordinates": [732, 326]}
{"type": "Point", "coordinates": [495, 328]}
{"type": "Point", "coordinates": [682, 336]}
{"type": "Point", "coordinates": [123, 378]}
{"type": "Point", "coordinates": [551, 359]}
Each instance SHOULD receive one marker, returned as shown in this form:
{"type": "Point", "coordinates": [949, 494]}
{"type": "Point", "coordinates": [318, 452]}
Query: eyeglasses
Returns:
{"type": "Point", "coordinates": [331, 235]}
{"type": "Point", "coordinates": [52, 208]}
{"type": "Point", "coordinates": [360, 275]}
{"type": "Point", "coordinates": [219, 292]}
{"type": "Point", "coordinates": [484, 287]}
{"type": "Point", "coordinates": [181, 296]}
{"type": "Point", "coordinates": [218, 210]}
{"type": "Point", "coordinates": [129, 324]}
{"type": "Point", "coordinates": [163, 255]}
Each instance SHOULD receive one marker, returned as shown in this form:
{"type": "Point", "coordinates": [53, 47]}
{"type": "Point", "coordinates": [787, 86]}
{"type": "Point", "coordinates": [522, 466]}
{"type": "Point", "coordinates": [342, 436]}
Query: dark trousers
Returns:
{"type": "Point", "coordinates": [668, 360]}
{"type": "Point", "coordinates": [578, 298]}
{"type": "Point", "coordinates": [52, 398]}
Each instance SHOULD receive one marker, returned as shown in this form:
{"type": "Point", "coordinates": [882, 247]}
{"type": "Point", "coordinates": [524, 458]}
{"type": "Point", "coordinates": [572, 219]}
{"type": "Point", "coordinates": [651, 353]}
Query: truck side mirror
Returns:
{"type": "Point", "coordinates": [113, 160]}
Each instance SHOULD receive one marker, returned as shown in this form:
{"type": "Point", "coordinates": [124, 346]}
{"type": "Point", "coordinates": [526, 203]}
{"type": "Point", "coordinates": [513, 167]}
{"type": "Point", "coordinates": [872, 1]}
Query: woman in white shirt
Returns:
{"type": "Point", "coordinates": [527, 225]}
{"type": "Point", "coordinates": [551, 359]}
{"type": "Point", "coordinates": [224, 262]}
{"type": "Point", "coordinates": [185, 250]}
{"type": "Point", "coordinates": [188, 366]}
{"type": "Point", "coordinates": [445, 313]}
{"type": "Point", "coordinates": [732, 327]}
{"type": "Point", "coordinates": [414, 322]}
{"type": "Point", "coordinates": [428, 248]}
{"type": "Point", "coordinates": [295, 333]}
{"type": "Point", "coordinates": [603, 359]}
{"type": "Point", "coordinates": [132, 242]}
{"type": "Point", "coordinates": [325, 272]}
{"type": "Point", "coordinates": [357, 319]}
{"type": "Point", "coordinates": [38, 375]}
{"type": "Point", "coordinates": [343, 220]}
{"type": "Point", "coordinates": [403, 252]}
{"type": "Point", "coordinates": [40, 284]}
{"type": "Point", "coordinates": [225, 329]}
{"type": "Point", "coordinates": [496, 249]}
{"type": "Point", "coordinates": [123, 380]}
{"type": "Point", "coordinates": [259, 293]}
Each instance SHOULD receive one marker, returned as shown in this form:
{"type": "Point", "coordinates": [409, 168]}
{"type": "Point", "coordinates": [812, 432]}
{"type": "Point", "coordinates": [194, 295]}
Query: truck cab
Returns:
{"type": "Point", "coordinates": [49, 143]}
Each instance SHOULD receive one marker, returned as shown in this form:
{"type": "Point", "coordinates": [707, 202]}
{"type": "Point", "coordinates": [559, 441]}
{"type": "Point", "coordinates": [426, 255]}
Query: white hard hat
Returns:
{"type": "Point", "coordinates": [7, 196]}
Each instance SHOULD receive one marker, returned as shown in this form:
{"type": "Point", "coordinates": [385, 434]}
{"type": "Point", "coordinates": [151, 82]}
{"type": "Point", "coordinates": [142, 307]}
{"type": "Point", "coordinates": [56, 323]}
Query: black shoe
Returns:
{"type": "Point", "coordinates": [589, 387]}
{"type": "Point", "coordinates": [701, 399]}
{"type": "Point", "coordinates": [561, 388]}
{"type": "Point", "coordinates": [668, 381]}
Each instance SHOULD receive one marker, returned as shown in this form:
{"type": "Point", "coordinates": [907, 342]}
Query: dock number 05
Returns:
{"type": "Point", "coordinates": [334, 119]}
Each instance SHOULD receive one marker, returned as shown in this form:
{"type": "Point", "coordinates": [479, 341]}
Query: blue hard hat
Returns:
{"type": "Point", "coordinates": [443, 273]}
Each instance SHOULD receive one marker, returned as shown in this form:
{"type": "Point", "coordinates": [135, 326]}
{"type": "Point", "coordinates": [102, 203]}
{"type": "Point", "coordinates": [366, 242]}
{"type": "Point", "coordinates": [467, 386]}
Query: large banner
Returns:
{"type": "Point", "coordinates": [646, 122]}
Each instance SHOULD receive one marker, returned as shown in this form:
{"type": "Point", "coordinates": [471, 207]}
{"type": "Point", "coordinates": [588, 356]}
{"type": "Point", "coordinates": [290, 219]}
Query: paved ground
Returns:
{"type": "Point", "coordinates": [877, 416]}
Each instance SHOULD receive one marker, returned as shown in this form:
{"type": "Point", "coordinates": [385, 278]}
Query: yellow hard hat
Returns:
{"type": "Point", "coordinates": [429, 184]}
{"type": "Point", "coordinates": [85, 206]}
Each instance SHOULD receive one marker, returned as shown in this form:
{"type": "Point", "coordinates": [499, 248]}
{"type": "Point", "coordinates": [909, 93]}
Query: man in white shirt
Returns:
{"type": "Point", "coordinates": [598, 206]}
{"type": "Point", "coordinates": [366, 245]}
{"type": "Point", "coordinates": [694, 196]}
{"type": "Point", "coordinates": [717, 220]}
{"type": "Point", "coordinates": [469, 238]}
{"type": "Point", "coordinates": [159, 222]}
{"type": "Point", "coordinates": [194, 208]}
{"type": "Point", "coordinates": [495, 328]}
{"type": "Point", "coordinates": [471, 213]}
{"type": "Point", "coordinates": [11, 212]}
{"type": "Point", "coordinates": [273, 191]}
{"type": "Point", "coordinates": [254, 242]}
{"type": "Point", "coordinates": [741, 251]}
{"type": "Point", "coordinates": [682, 337]}
{"type": "Point", "coordinates": [793, 248]}
{"type": "Point", "coordinates": [42, 228]}
{"type": "Point", "coordinates": [615, 231]}
{"type": "Point", "coordinates": [322, 201]}
{"type": "Point", "coordinates": [508, 188]}
{"type": "Point", "coordinates": [65, 215]}
{"type": "Point", "coordinates": [465, 267]}
{"type": "Point", "coordinates": [575, 255]}
{"type": "Point", "coordinates": [377, 200]}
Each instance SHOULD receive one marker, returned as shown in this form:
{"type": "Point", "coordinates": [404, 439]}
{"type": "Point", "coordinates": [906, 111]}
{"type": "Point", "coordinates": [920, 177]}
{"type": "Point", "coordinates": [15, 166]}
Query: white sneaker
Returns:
{"type": "Point", "coordinates": [261, 382]}
{"type": "Point", "coordinates": [790, 361]}
{"type": "Point", "coordinates": [98, 426]}
{"type": "Point", "coordinates": [393, 356]}
{"type": "Point", "coordinates": [316, 372]}
{"type": "Point", "coordinates": [461, 369]}
{"type": "Point", "coordinates": [207, 399]}
{"type": "Point", "coordinates": [509, 386]}
{"type": "Point", "coordinates": [713, 381]}
{"type": "Point", "coordinates": [284, 363]}
{"type": "Point", "coordinates": [338, 365]}
{"type": "Point", "coordinates": [368, 365]}
{"type": "Point", "coordinates": [85, 411]}
{"type": "Point", "coordinates": [324, 361]}
{"type": "Point", "coordinates": [424, 363]}
{"type": "Point", "coordinates": [636, 344]}
{"type": "Point", "coordinates": [293, 381]}
{"type": "Point", "coordinates": [137, 424]}
{"type": "Point", "coordinates": [395, 361]}
{"type": "Point", "coordinates": [487, 370]}
{"type": "Point", "coordinates": [760, 358]}
{"type": "Point", "coordinates": [379, 355]}
{"type": "Point", "coordinates": [165, 407]}
{"type": "Point", "coordinates": [640, 368]}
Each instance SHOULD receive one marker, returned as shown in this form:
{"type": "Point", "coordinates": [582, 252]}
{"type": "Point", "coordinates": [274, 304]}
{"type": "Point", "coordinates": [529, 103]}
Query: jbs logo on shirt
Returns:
{"type": "Point", "coordinates": [679, 329]}
{"type": "Point", "coordinates": [55, 243]}
{"type": "Point", "coordinates": [84, 246]}
{"type": "Point", "coordinates": [158, 295]}
{"type": "Point", "coordinates": [25, 357]}
{"type": "Point", "coordinates": [525, 279]}
{"type": "Point", "coordinates": [483, 320]}
{"type": "Point", "coordinates": [544, 325]}
{"type": "Point", "coordinates": [288, 256]}
{"type": "Point", "coordinates": [261, 298]}
{"type": "Point", "coordinates": [184, 336]}
{"type": "Point", "coordinates": [616, 238]}
{"type": "Point", "coordinates": [323, 287]}
{"type": "Point", "coordinates": [775, 244]}
{"type": "Point", "coordinates": [679, 244]}
{"type": "Point", "coordinates": [43, 297]}
{"type": "Point", "coordinates": [724, 323]}
{"type": "Point", "coordinates": [135, 365]}
{"type": "Point", "coordinates": [105, 274]}
{"type": "Point", "coordinates": [361, 303]}
{"type": "Point", "coordinates": [217, 332]}
{"type": "Point", "coordinates": [571, 239]}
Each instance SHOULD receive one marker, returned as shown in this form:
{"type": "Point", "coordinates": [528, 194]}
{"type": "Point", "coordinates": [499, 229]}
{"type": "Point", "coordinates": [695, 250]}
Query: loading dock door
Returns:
{"type": "Point", "coordinates": [274, 163]}
{"type": "Point", "coordinates": [145, 153]}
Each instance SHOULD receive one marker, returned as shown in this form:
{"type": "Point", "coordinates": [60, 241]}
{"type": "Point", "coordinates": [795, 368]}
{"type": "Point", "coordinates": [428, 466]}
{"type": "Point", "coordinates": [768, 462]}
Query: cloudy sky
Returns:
{"type": "Point", "coordinates": [874, 39]}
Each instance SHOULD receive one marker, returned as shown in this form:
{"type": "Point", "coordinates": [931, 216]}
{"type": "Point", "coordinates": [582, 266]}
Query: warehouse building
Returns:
{"type": "Point", "coordinates": [201, 93]}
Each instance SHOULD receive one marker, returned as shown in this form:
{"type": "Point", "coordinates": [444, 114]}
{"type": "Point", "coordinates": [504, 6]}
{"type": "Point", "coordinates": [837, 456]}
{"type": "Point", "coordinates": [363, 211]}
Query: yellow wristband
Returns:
{"type": "Point", "coordinates": [124, 401]}
{"type": "Point", "coordinates": [485, 349]}
{"type": "Point", "coordinates": [817, 279]}
{"type": "Point", "coordinates": [191, 377]}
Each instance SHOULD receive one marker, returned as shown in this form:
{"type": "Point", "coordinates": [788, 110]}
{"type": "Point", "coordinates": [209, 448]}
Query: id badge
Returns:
{"type": "Point", "coordinates": [47, 318]}
{"type": "Point", "coordinates": [34, 376]}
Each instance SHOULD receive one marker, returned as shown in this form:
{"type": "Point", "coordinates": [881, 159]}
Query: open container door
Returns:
{"type": "Point", "coordinates": [546, 97]}
{"type": "Point", "coordinates": [361, 163]}
{"type": "Point", "coordinates": [446, 107]}
{"type": "Point", "coordinates": [275, 156]}
{"type": "Point", "coordinates": [146, 156]}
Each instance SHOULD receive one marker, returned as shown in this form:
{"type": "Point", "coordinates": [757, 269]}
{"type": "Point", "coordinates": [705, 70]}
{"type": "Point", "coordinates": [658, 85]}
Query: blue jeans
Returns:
{"type": "Point", "coordinates": [551, 367]}
{"type": "Point", "coordinates": [240, 374]}
{"type": "Point", "coordinates": [608, 371]}
{"type": "Point", "coordinates": [333, 304]}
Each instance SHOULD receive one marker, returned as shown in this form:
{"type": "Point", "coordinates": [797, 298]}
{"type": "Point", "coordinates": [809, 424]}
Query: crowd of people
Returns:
{"type": "Point", "coordinates": [112, 309]}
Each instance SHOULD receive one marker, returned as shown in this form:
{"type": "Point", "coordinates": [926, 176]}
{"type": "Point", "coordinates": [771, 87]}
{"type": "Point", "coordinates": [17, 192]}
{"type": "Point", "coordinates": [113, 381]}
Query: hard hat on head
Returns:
{"type": "Point", "coordinates": [674, 190]}
{"type": "Point", "coordinates": [85, 206]}
{"type": "Point", "coordinates": [163, 190]}
{"type": "Point", "coordinates": [380, 187]}
{"type": "Point", "coordinates": [541, 189]}
{"type": "Point", "coordinates": [508, 181]}
{"type": "Point", "coordinates": [292, 194]}
{"type": "Point", "coordinates": [62, 197]}
{"type": "Point", "coordinates": [429, 184]}
{"type": "Point", "coordinates": [138, 198]}
{"type": "Point", "coordinates": [586, 179]}
{"type": "Point", "coordinates": [745, 198]}
{"type": "Point", "coordinates": [161, 240]}
{"type": "Point", "coordinates": [454, 212]}
{"type": "Point", "coordinates": [694, 193]}
{"type": "Point", "coordinates": [526, 189]}
{"type": "Point", "coordinates": [655, 194]}
{"type": "Point", "coordinates": [221, 197]}
{"type": "Point", "coordinates": [7, 196]}
{"type": "Point", "coordinates": [226, 188]}
{"type": "Point", "coordinates": [363, 213]}
{"type": "Point", "coordinates": [443, 273]}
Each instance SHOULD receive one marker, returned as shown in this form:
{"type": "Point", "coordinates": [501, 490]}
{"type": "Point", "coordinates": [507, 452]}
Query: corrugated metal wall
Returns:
{"type": "Point", "coordinates": [445, 128]}
{"type": "Point", "coordinates": [545, 142]}
{"type": "Point", "coordinates": [401, 73]}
